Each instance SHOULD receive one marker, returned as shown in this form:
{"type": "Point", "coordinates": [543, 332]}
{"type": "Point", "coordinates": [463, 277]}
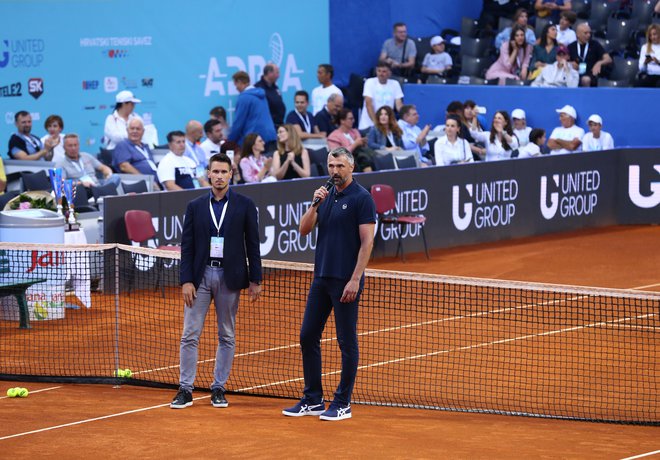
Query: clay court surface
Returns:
{"type": "Point", "coordinates": [81, 421]}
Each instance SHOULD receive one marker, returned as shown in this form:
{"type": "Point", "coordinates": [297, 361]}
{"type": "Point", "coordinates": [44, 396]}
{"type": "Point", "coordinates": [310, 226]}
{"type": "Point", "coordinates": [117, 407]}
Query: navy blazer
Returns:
{"type": "Point", "coordinates": [241, 233]}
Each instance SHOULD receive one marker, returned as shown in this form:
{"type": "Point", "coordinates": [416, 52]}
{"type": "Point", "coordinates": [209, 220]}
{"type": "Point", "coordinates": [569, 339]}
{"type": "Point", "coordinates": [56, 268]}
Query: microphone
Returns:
{"type": "Point", "coordinates": [328, 185]}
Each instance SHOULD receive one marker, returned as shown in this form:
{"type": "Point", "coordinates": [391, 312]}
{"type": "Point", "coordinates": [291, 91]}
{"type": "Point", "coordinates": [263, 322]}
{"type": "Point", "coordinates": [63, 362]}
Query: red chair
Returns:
{"type": "Point", "coordinates": [385, 200]}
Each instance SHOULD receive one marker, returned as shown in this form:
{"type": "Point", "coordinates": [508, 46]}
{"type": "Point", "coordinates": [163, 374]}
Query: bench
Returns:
{"type": "Point", "coordinates": [17, 288]}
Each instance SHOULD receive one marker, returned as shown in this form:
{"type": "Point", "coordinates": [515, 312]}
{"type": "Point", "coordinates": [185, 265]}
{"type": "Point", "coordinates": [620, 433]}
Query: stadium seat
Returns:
{"type": "Point", "coordinates": [319, 162]}
{"type": "Point", "coordinates": [642, 10]}
{"type": "Point", "coordinates": [605, 83]}
{"type": "Point", "coordinates": [474, 66]}
{"type": "Point", "coordinates": [135, 187]}
{"type": "Point", "coordinates": [104, 190]}
{"type": "Point", "coordinates": [477, 47]}
{"type": "Point", "coordinates": [624, 69]}
{"type": "Point", "coordinates": [503, 23]}
{"type": "Point", "coordinates": [540, 24]}
{"type": "Point", "coordinates": [385, 200]}
{"type": "Point", "coordinates": [601, 10]}
{"type": "Point", "coordinates": [81, 200]}
{"type": "Point", "coordinates": [581, 8]}
{"type": "Point", "coordinates": [610, 46]}
{"type": "Point", "coordinates": [36, 181]}
{"type": "Point", "coordinates": [406, 162]}
{"type": "Point", "coordinates": [469, 28]}
{"type": "Point", "coordinates": [384, 162]}
{"type": "Point", "coordinates": [514, 82]}
{"type": "Point", "coordinates": [105, 157]}
{"type": "Point", "coordinates": [620, 30]}
{"type": "Point", "coordinates": [471, 80]}
{"type": "Point", "coordinates": [436, 80]}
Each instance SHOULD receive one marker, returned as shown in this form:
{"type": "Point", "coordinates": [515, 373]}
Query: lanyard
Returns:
{"type": "Point", "coordinates": [306, 123]}
{"type": "Point", "coordinates": [79, 164]}
{"type": "Point", "coordinates": [30, 139]}
{"type": "Point", "coordinates": [222, 215]}
{"type": "Point", "coordinates": [585, 50]}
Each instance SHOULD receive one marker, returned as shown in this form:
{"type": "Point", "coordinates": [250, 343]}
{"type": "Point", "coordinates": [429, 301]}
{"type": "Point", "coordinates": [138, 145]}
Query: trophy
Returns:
{"type": "Point", "coordinates": [69, 189]}
{"type": "Point", "coordinates": [55, 175]}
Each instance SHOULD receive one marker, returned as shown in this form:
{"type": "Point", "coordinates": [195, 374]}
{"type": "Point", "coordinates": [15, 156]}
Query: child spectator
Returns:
{"type": "Point", "coordinates": [439, 62]}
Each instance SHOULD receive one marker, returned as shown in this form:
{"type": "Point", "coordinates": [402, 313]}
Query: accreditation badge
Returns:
{"type": "Point", "coordinates": [217, 247]}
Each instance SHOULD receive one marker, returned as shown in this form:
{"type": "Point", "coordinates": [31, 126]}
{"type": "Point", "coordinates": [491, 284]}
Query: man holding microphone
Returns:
{"type": "Point", "coordinates": [346, 215]}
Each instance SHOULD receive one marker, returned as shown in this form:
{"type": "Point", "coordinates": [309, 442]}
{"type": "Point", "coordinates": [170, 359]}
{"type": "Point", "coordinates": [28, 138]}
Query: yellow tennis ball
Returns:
{"type": "Point", "coordinates": [12, 392]}
{"type": "Point", "coordinates": [128, 373]}
{"type": "Point", "coordinates": [23, 392]}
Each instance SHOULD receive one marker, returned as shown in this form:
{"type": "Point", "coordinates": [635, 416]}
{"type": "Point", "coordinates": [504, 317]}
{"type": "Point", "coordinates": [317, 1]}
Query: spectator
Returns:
{"type": "Point", "coordinates": [291, 161]}
{"type": "Point", "coordinates": [254, 166]}
{"type": "Point", "coordinates": [23, 145]}
{"type": "Point", "coordinates": [414, 137]}
{"type": "Point", "coordinates": [399, 51]}
{"type": "Point", "coordinates": [520, 128]}
{"type": "Point", "coordinates": [176, 171]}
{"type": "Point", "coordinates": [587, 56]}
{"type": "Point", "coordinates": [378, 92]}
{"type": "Point", "coordinates": [233, 151]}
{"type": "Point", "coordinates": [302, 120]}
{"type": "Point", "coordinates": [325, 119]}
{"type": "Point", "coordinates": [116, 123]}
{"type": "Point", "coordinates": [82, 167]}
{"type": "Point", "coordinates": [596, 138]}
{"type": "Point", "coordinates": [194, 134]}
{"type": "Point", "coordinates": [457, 108]}
{"type": "Point", "coordinates": [321, 93]}
{"type": "Point", "coordinates": [3, 177]}
{"type": "Point", "coordinates": [649, 58]}
{"type": "Point", "coordinates": [545, 52]}
{"type": "Point", "coordinates": [514, 58]}
{"type": "Point", "coordinates": [559, 74]}
{"type": "Point", "coordinates": [471, 116]}
{"type": "Point", "coordinates": [54, 125]}
{"type": "Point", "coordinates": [500, 141]}
{"type": "Point", "coordinates": [348, 137]}
{"type": "Point", "coordinates": [132, 156]}
{"type": "Point", "coordinates": [452, 148]}
{"type": "Point", "coordinates": [439, 62]}
{"type": "Point", "coordinates": [534, 146]}
{"type": "Point", "coordinates": [385, 134]}
{"type": "Point", "coordinates": [551, 8]}
{"type": "Point", "coordinates": [566, 138]}
{"type": "Point", "coordinates": [219, 113]}
{"type": "Point", "coordinates": [565, 33]}
{"type": "Point", "coordinates": [519, 19]}
{"type": "Point", "coordinates": [251, 114]}
{"type": "Point", "coordinates": [268, 83]}
{"type": "Point", "coordinates": [211, 145]}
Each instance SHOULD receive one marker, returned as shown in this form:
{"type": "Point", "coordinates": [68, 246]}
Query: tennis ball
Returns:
{"type": "Point", "coordinates": [119, 373]}
{"type": "Point", "coordinates": [128, 373]}
{"type": "Point", "coordinates": [12, 392]}
{"type": "Point", "coordinates": [23, 392]}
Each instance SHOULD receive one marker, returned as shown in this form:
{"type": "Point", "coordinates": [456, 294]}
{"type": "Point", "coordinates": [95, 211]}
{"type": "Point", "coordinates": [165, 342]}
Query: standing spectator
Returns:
{"type": "Point", "coordinates": [558, 74]}
{"type": "Point", "coordinates": [545, 52]}
{"type": "Point", "coordinates": [439, 62]}
{"type": "Point", "coordinates": [649, 58]}
{"type": "Point", "coordinates": [452, 148]}
{"type": "Point", "coordinates": [566, 138]}
{"type": "Point", "coordinates": [414, 137]}
{"type": "Point", "coordinates": [514, 58]}
{"type": "Point", "coordinates": [291, 160]}
{"type": "Point", "coordinates": [23, 145]}
{"type": "Point", "coordinates": [500, 141]}
{"type": "Point", "coordinates": [348, 137]}
{"type": "Point", "coordinates": [211, 145]}
{"type": "Point", "coordinates": [520, 128]}
{"type": "Point", "coordinates": [302, 120]}
{"type": "Point", "coordinates": [596, 138]}
{"type": "Point", "coordinates": [386, 133]}
{"type": "Point", "coordinates": [551, 8]}
{"type": "Point", "coordinates": [378, 92]}
{"type": "Point", "coordinates": [399, 51]}
{"type": "Point", "coordinates": [82, 167]}
{"type": "Point", "coordinates": [176, 171]}
{"type": "Point", "coordinates": [588, 56]}
{"type": "Point", "coordinates": [321, 93]}
{"type": "Point", "coordinates": [132, 156]}
{"type": "Point", "coordinates": [565, 33]}
{"type": "Point", "coordinates": [325, 119]}
{"type": "Point", "coordinates": [254, 166]}
{"type": "Point", "coordinates": [54, 125]}
{"type": "Point", "coordinates": [251, 114]}
{"type": "Point", "coordinates": [194, 134]}
{"type": "Point", "coordinates": [535, 146]}
{"type": "Point", "coordinates": [116, 124]}
{"type": "Point", "coordinates": [219, 113]}
{"type": "Point", "coordinates": [268, 83]}
{"type": "Point", "coordinates": [519, 19]}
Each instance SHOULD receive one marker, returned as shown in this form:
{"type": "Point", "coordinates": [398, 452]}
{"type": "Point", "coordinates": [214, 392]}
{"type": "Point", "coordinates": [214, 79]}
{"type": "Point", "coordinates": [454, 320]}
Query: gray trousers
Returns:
{"type": "Point", "coordinates": [212, 287]}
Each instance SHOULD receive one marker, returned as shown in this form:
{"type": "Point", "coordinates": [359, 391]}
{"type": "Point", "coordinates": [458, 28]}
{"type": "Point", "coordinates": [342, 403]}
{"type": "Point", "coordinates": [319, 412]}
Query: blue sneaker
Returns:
{"type": "Point", "coordinates": [304, 408]}
{"type": "Point", "coordinates": [336, 412]}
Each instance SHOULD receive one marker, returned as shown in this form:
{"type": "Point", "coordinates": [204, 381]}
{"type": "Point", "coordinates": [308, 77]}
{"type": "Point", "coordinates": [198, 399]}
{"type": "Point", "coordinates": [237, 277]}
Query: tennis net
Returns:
{"type": "Point", "coordinates": [426, 341]}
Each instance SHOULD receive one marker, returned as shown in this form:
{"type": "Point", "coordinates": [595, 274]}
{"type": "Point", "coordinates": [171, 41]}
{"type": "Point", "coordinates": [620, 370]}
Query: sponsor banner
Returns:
{"type": "Point", "coordinates": [639, 188]}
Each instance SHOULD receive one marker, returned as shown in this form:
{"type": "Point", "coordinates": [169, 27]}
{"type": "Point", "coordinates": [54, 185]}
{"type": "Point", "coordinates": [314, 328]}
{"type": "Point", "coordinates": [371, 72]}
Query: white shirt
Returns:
{"type": "Point", "coordinates": [171, 162]}
{"type": "Point", "coordinates": [380, 95]}
{"type": "Point", "coordinates": [566, 37]}
{"type": "Point", "coordinates": [58, 150]}
{"type": "Point", "coordinates": [591, 144]}
{"type": "Point", "coordinates": [567, 134]}
{"type": "Point", "coordinates": [439, 61]}
{"type": "Point", "coordinates": [652, 68]}
{"type": "Point", "coordinates": [447, 153]}
{"type": "Point", "coordinates": [523, 135]}
{"type": "Point", "coordinates": [495, 150]}
{"type": "Point", "coordinates": [115, 129]}
{"type": "Point", "coordinates": [529, 151]}
{"type": "Point", "coordinates": [209, 148]}
{"type": "Point", "coordinates": [320, 96]}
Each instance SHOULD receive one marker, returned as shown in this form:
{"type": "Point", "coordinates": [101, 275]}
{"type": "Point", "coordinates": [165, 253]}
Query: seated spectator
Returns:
{"type": "Point", "coordinates": [219, 113]}
{"type": "Point", "coordinates": [649, 58]}
{"type": "Point", "coordinates": [559, 74]}
{"type": "Point", "coordinates": [457, 108]}
{"type": "Point", "coordinates": [385, 134]}
{"type": "Point", "coordinates": [378, 92]}
{"type": "Point", "coordinates": [176, 171]}
{"type": "Point", "coordinates": [439, 62]}
{"type": "Point", "coordinates": [551, 8]}
{"type": "Point", "coordinates": [545, 52]}
{"type": "Point", "coordinates": [251, 114]}
{"type": "Point", "coordinates": [255, 167]}
{"type": "Point", "coordinates": [399, 52]}
{"type": "Point", "coordinates": [116, 123]}
{"type": "Point", "coordinates": [194, 134]}
{"type": "Point", "coordinates": [54, 125]}
{"type": "Point", "coordinates": [520, 128]}
{"type": "Point", "coordinates": [325, 119]}
{"type": "Point", "coordinates": [82, 167]}
{"type": "Point", "coordinates": [596, 138]}
{"type": "Point", "coordinates": [565, 33]}
{"type": "Point", "coordinates": [515, 55]}
{"type": "Point", "coordinates": [535, 146]}
{"type": "Point", "coordinates": [588, 56]}
{"type": "Point", "coordinates": [211, 145]}
{"type": "Point", "coordinates": [268, 83]}
{"type": "Point", "coordinates": [291, 161]}
{"type": "Point", "coordinates": [302, 120]}
{"type": "Point", "coordinates": [500, 141]}
{"type": "Point", "coordinates": [519, 19]}
{"type": "Point", "coordinates": [348, 137]}
{"type": "Point", "coordinates": [471, 116]}
{"type": "Point", "coordinates": [23, 145]}
{"type": "Point", "coordinates": [233, 151]}
{"type": "Point", "coordinates": [414, 137]}
{"type": "Point", "coordinates": [452, 148]}
{"type": "Point", "coordinates": [566, 138]}
{"type": "Point", "coordinates": [132, 156]}
{"type": "Point", "coordinates": [321, 93]}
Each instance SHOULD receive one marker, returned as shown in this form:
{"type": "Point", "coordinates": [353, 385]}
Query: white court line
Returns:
{"type": "Point", "coordinates": [35, 391]}
{"type": "Point", "coordinates": [647, 454]}
{"type": "Point", "coordinates": [634, 326]}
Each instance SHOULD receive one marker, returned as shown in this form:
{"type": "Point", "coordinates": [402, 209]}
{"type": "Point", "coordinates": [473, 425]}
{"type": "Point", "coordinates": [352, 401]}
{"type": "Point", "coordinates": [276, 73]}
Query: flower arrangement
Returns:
{"type": "Point", "coordinates": [32, 200]}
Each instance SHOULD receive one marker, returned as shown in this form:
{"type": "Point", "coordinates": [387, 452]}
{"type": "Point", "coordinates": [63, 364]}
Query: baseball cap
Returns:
{"type": "Point", "coordinates": [126, 96]}
{"type": "Point", "coordinates": [562, 49]}
{"type": "Point", "coordinates": [568, 110]}
{"type": "Point", "coordinates": [519, 114]}
{"type": "Point", "coordinates": [436, 40]}
{"type": "Point", "coordinates": [596, 119]}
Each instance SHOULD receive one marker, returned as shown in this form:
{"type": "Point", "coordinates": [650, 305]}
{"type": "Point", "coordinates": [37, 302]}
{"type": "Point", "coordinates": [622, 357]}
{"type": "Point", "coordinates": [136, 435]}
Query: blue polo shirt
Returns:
{"type": "Point", "coordinates": [338, 221]}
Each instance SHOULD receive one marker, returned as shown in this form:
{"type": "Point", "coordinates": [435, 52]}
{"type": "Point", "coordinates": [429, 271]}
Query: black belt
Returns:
{"type": "Point", "coordinates": [215, 262]}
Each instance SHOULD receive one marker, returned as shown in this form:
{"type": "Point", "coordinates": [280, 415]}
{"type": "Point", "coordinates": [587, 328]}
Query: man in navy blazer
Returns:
{"type": "Point", "coordinates": [220, 232]}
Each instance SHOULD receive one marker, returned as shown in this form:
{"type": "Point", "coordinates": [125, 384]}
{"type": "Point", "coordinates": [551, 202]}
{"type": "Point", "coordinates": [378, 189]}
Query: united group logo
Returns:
{"type": "Point", "coordinates": [24, 53]}
{"type": "Point", "coordinates": [115, 53]}
{"type": "Point", "coordinates": [490, 204]}
{"type": "Point", "coordinates": [90, 85]}
{"type": "Point", "coordinates": [4, 55]}
{"type": "Point", "coordinates": [634, 188]}
{"type": "Point", "coordinates": [571, 194]}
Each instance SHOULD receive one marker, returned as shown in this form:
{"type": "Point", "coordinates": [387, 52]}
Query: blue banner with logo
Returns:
{"type": "Point", "coordinates": [71, 57]}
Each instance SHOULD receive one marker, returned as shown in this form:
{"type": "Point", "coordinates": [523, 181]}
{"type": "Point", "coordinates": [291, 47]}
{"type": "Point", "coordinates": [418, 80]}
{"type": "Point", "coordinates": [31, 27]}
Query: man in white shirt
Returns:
{"type": "Point", "coordinates": [565, 33]}
{"type": "Point", "coordinates": [321, 93]}
{"type": "Point", "coordinates": [211, 145]}
{"type": "Point", "coordinates": [596, 138]}
{"type": "Point", "coordinates": [176, 171]}
{"type": "Point", "coordinates": [520, 128]}
{"type": "Point", "coordinates": [566, 138]}
{"type": "Point", "coordinates": [379, 91]}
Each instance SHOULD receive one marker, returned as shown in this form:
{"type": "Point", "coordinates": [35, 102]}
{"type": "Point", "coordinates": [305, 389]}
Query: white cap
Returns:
{"type": "Point", "coordinates": [568, 110]}
{"type": "Point", "coordinates": [126, 96]}
{"type": "Point", "coordinates": [596, 119]}
{"type": "Point", "coordinates": [437, 40]}
{"type": "Point", "coordinates": [519, 114]}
